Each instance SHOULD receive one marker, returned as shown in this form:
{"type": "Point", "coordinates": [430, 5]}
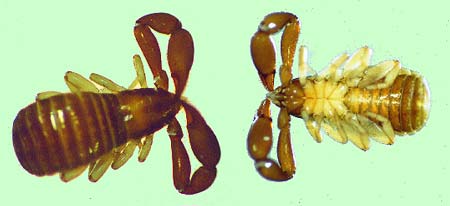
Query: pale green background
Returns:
{"type": "Point", "coordinates": [40, 40]}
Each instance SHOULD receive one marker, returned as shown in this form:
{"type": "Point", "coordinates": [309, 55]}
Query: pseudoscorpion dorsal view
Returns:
{"type": "Point", "coordinates": [97, 128]}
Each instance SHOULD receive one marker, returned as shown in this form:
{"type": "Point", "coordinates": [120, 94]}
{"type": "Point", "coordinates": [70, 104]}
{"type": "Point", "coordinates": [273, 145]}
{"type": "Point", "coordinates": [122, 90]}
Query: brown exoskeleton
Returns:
{"type": "Point", "coordinates": [67, 132]}
{"type": "Point", "coordinates": [348, 100]}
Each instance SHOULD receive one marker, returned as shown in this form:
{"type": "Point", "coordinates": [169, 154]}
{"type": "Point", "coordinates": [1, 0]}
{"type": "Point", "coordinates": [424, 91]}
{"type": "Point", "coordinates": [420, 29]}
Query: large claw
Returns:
{"type": "Point", "coordinates": [180, 56]}
{"type": "Point", "coordinates": [150, 48]}
{"type": "Point", "coordinates": [203, 140]}
{"type": "Point", "coordinates": [205, 146]}
{"type": "Point", "coordinates": [180, 53]}
{"type": "Point", "coordinates": [259, 144]}
{"type": "Point", "coordinates": [263, 49]}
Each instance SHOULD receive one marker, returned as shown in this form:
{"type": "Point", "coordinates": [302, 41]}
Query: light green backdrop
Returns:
{"type": "Point", "coordinates": [41, 40]}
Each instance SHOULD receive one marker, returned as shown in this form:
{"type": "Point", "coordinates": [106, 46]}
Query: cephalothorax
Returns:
{"type": "Point", "coordinates": [98, 127]}
{"type": "Point", "coordinates": [349, 100]}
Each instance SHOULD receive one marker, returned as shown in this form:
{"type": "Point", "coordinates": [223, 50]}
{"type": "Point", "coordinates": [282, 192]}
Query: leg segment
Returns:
{"type": "Point", "coordinates": [262, 48]}
{"type": "Point", "coordinates": [99, 167]}
{"type": "Point", "coordinates": [303, 66]}
{"type": "Point", "coordinates": [386, 71]}
{"type": "Point", "coordinates": [313, 124]}
{"type": "Point", "coordinates": [144, 147]}
{"type": "Point", "coordinates": [47, 94]}
{"type": "Point", "coordinates": [259, 143]}
{"type": "Point", "coordinates": [109, 85]}
{"type": "Point", "coordinates": [263, 55]}
{"type": "Point", "coordinates": [181, 169]}
{"type": "Point", "coordinates": [180, 55]}
{"type": "Point", "coordinates": [284, 147]}
{"type": "Point", "coordinates": [384, 134]}
{"type": "Point", "coordinates": [123, 153]}
{"type": "Point", "coordinates": [78, 83]}
{"type": "Point", "coordinates": [355, 66]}
{"type": "Point", "coordinates": [66, 176]}
{"type": "Point", "coordinates": [331, 71]}
{"type": "Point", "coordinates": [140, 74]}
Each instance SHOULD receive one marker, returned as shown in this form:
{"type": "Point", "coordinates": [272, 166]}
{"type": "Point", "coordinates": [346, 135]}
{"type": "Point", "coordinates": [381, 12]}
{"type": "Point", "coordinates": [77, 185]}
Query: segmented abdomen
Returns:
{"type": "Point", "coordinates": [68, 130]}
{"type": "Point", "coordinates": [405, 103]}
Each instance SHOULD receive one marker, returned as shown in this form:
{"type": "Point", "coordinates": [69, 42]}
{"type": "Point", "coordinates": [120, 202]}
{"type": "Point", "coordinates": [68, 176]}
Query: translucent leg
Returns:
{"type": "Point", "coordinates": [68, 175]}
{"type": "Point", "coordinates": [99, 167]}
{"type": "Point", "coordinates": [140, 74]}
{"type": "Point", "coordinates": [331, 71]}
{"type": "Point", "coordinates": [334, 129]}
{"type": "Point", "coordinates": [144, 147]}
{"type": "Point", "coordinates": [386, 71]}
{"type": "Point", "coordinates": [313, 126]}
{"type": "Point", "coordinates": [45, 95]}
{"type": "Point", "coordinates": [355, 132]}
{"type": "Point", "coordinates": [78, 83]}
{"type": "Point", "coordinates": [106, 83]}
{"type": "Point", "coordinates": [303, 66]}
{"type": "Point", "coordinates": [386, 127]}
{"type": "Point", "coordinates": [355, 66]}
{"type": "Point", "coordinates": [122, 154]}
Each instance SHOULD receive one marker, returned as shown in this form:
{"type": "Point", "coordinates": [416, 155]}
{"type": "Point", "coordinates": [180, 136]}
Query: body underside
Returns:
{"type": "Point", "coordinates": [353, 113]}
{"type": "Point", "coordinates": [350, 100]}
{"type": "Point", "coordinates": [397, 102]}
